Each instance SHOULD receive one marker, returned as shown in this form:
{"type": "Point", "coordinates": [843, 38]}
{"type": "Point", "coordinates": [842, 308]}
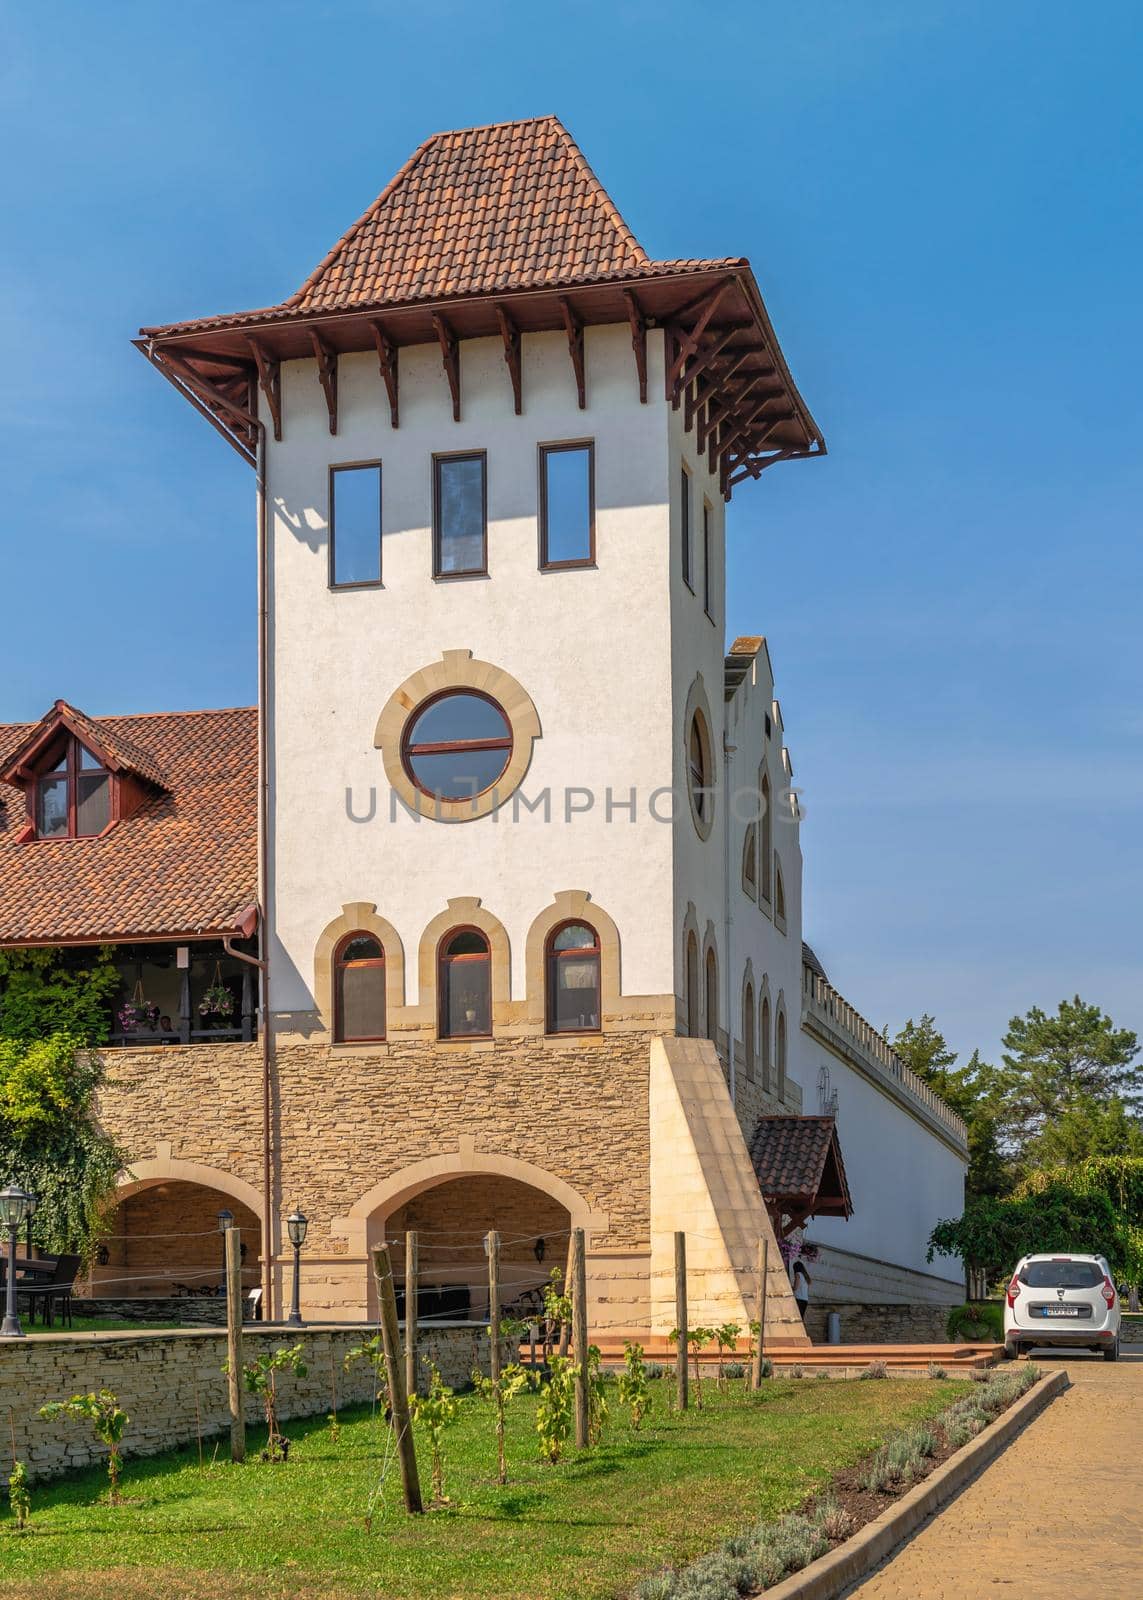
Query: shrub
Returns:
{"type": "Point", "coordinates": [875, 1369]}
{"type": "Point", "coordinates": [18, 1496]}
{"type": "Point", "coordinates": [438, 1411]}
{"type": "Point", "coordinates": [633, 1388]}
{"type": "Point", "coordinates": [976, 1322]}
{"type": "Point", "coordinates": [936, 1372]}
{"type": "Point", "coordinates": [555, 1412]}
{"type": "Point", "coordinates": [822, 1374]}
{"type": "Point", "coordinates": [260, 1377]}
{"type": "Point", "coordinates": [107, 1420]}
{"type": "Point", "coordinates": [834, 1521]}
{"type": "Point", "coordinates": [736, 1369]}
{"type": "Point", "coordinates": [796, 1371]}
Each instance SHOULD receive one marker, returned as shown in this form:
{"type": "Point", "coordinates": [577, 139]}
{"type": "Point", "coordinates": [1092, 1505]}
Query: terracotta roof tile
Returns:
{"type": "Point", "coordinates": [792, 1156]}
{"type": "Point", "coordinates": [186, 862]}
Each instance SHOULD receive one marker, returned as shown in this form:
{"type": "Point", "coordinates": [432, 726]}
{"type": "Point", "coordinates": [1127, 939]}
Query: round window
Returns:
{"type": "Point", "coordinates": [457, 745]}
{"type": "Point", "coordinates": [699, 772]}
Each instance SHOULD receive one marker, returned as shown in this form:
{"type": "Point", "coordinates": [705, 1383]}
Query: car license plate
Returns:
{"type": "Point", "coordinates": [1060, 1311]}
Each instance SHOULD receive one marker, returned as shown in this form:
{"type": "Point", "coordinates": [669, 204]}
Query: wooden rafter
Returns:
{"type": "Point", "coordinates": [755, 418]}
{"type": "Point", "coordinates": [240, 430]}
{"type": "Point", "coordinates": [510, 334]}
{"type": "Point", "coordinates": [670, 350]}
{"type": "Point", "coordinates": [688, 339]}
{"type": "Point", "coordinates": [450, 357]}
{"type": "Point", "coordinates": [638, 340]}
{"type": "Point", "coordinates": [706, 353]}
{"type": "Point", "coordinates": [573, 327]}
{"type": "Point", "coordinates": [270, 382]}
{"type": "Point", "coordinates": [729, 401]}
{"type": "Point", "coordinates": [327, 375]}
{"type": "Point", "coordinates": [390, 372]}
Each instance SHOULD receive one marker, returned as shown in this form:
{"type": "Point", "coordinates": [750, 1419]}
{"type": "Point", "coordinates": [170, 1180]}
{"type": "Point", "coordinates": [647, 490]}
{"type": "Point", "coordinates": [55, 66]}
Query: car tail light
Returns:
{"type": "Point", "coordinates": [1013, 1291]}
{"type": "Point", "coordinates": [1108, 1292]}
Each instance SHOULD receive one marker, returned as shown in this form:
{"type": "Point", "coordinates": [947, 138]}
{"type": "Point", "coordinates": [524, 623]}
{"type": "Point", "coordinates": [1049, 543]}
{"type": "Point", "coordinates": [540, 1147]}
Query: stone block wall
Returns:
{"type": "Point", "coordinates": [879, 1324]}
{"type": "Point", "coordinates": [160, 1379]}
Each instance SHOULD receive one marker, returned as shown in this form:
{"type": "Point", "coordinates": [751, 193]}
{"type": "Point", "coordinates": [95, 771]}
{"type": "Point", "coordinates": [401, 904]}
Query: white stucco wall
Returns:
{"type": "Point", "coordinates": [589, 646]}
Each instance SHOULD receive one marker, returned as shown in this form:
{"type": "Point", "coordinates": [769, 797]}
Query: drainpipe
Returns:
{"type": "Point", "coordinates": [264, 873]}
{"type": "Point", "coordinates": [728, 750]}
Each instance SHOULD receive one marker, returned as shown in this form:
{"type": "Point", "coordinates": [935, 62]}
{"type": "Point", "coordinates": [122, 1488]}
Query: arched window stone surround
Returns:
{"type": "Point", "coordinates": [750, 861]}
{"type": "Point", "coordinates": [691, 1026]}
{"type": "Point", "coordinates": [571, 905]}
{"type": "Point", "coordinates": [781, 1047]}
{"type": "Point", "coordinates": [749, 1062]}
{"type": "Point", "coordinates": [765, 840]}
{"type": "Point", "coordinates": [366, 1218]}
{"type": "Point", "coordinates": [765, 1010]}
{"type": "Point", "coordinates": [163, 1167]}
{"type": "Point", "coordinates": [457, 670]}
{"type": "Point", "coordinates": [360, 916]}
{"type": "Point", "coordinates": [709, 949]}
{"type": "Point", "coordinates": [466, 912]}
{"type": "Point", "coordinates": [697, 700]}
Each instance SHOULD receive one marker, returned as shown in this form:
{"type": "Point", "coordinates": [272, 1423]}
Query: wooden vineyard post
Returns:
{"type": "Point", "coordinates": [492, 1245]}
{"type": "Point", "coordinates": [394, 1368]}
{"type": "Point", "coordinates": [682, 1353]}
{"type": "Point", "coordinates": [411, 1277]}
{"type": "Point", "coordinates": [234, 1343]}
{"type": "Point", "coordinates": [579, 1337]}
{"type": "Point", "coordinates": [763, 1267]}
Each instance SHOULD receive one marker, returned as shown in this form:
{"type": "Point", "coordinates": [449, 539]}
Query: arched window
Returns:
{"type": "Point", "coordinates": [780, 1053]}
{"type": "Point", "coordinates": [765, 1031]}
{"type": "Point", "coordinates": [465, 985]}
{"type": "Point", "coordinates": [779, 891]}
{"type": "Point", "coordinates": [766, 850]}
{"type": "Point", "coordinates": [750, 860]}
{"type": "Point", "coordinates": [712, 997]}
{"type": "Point", "coordinates": [573, 979]}
{"type": "Point", "coordinates": [700, 772]}
{"type": "Point", "coordinates": [359, 989]}
{"type": "Point", "coordinates": [692, 983]}
{"type": "Point", "coordinates": [748, 1031]}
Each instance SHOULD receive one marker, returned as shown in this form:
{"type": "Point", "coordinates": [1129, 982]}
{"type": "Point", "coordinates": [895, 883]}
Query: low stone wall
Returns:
{"type": "Point", "coordinates": [164, 1381]}
{"type": "Point", "coordinates": [1131, 1329]}
{"type": "Point", "coordinates": [879, 1324]}
{"type": "Point", "coordinates": [184, 1310]}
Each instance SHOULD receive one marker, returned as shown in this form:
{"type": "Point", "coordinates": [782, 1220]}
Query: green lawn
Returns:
{"type": "Point", "coordinates": [584, 1528]}
{"type": "Point", "coordinates": [103, 1325]}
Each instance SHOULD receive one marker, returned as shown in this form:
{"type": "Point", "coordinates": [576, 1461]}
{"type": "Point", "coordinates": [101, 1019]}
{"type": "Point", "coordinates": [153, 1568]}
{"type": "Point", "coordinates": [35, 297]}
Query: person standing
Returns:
{"type": "Point", "coordinates": [800, 1281]}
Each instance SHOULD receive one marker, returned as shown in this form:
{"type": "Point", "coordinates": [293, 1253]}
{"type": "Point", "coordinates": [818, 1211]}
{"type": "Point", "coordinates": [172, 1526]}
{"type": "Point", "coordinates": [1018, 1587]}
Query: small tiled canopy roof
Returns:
{"type": "Point", "coordinates": [799, 1168]}
{"type": "Point", "coordinates": [809, 959]}
{"type": "Point", "coordinates": [495, 232]}
{"type": "Point", "coordinates": [184, 864]}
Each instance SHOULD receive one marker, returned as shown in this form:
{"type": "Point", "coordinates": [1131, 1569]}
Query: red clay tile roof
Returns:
{"type": "Point", "coordinates": [112, 744]}
{"type": "Point", "coordinates": [185, 863]}
{"type": "Point", "coordinates": [798, 1164]}
{"type": "Point", "coordinates": [475, 211]}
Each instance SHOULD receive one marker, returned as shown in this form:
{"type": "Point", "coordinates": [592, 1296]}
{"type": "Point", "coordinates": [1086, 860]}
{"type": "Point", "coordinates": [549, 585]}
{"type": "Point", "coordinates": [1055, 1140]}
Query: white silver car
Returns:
{"type": "Point", "coordinates": [1065, 1300]}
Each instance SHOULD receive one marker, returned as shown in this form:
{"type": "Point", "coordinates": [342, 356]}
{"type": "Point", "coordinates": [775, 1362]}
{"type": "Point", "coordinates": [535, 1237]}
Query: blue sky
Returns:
{"type": "Point", "coordinates": [940, 202]}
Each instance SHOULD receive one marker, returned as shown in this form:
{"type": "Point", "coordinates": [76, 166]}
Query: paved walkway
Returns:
{"type": "Point", "coordinates": [1059, 1513]}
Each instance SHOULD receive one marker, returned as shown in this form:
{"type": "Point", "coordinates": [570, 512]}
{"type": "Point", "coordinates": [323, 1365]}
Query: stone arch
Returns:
{"type": "Point", "coordinates": [359, 916]}
{"type": "Point", "coordinates": [457, 670]}
{"type": "Point", "coordinates": [689, 1003]}
{"type": "Point", "coordinates": [765, 1011]}
{"type": "Point", "coordinates": [781, 1047]}
{"type": "Point", "coordinates": [164, 1168]}
{"type": "Point", "coordinates": [465, 911]}
{"type": "Point", "coordinates": [571, 905]}
{"type": "Point", "coordinates": [748, 1005]}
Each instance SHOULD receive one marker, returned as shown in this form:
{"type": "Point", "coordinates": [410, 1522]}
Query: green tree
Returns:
{"type": "Point", "coordinates": [1058, 1064]}
{"type": "Point", "coordinates": [1084, 1130]}
{"type": "Point", "coordinates": [44, 992]}
{"type": "Point", "coordinates": [970, 1091]}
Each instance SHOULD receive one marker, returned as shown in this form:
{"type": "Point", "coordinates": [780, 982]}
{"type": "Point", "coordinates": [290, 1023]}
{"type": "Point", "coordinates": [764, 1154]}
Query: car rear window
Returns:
{"type": "Point", "coordinates": [1061, 1275]}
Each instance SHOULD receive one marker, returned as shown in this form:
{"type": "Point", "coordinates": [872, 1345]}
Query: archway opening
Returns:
{"type": "Point", "coordinates": [452, 1220]}
{"type": "Point", "coordinates": [164, 1241]}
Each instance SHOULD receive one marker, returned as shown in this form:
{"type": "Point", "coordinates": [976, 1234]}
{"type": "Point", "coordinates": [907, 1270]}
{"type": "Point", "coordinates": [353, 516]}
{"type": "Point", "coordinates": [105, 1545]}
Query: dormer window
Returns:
{"type": "Point", "coordinates": [73, 796]}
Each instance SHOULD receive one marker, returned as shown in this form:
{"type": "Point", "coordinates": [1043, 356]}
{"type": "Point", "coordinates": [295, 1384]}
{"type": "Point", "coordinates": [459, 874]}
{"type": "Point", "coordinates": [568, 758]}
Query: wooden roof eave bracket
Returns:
{"type": "Point", "coordinates": [240, 433]}
{"type": "Point", "coordinates": [450, 357]}
{"type": "Point", "coordinates": [638, 340]}
{"type": "Point", "coordinates": [687, 341]}
{"type": "Point", "coordinates": [387, 360]}
{"type": "Point", "coordinates": [326, 359]}
{"type": "Point", "coordinates": [510, 334]}
{"type": "Point", "coordinates": [270, 382]}
{"type": "Point", "coordinates": [704, 355]}
{"type": "Point", "coordinates": [573, 327]}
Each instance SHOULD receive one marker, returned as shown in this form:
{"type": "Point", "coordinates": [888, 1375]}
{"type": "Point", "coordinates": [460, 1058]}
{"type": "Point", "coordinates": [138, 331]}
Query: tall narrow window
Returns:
{"type": "Point", "coordinates": [750, 860]}
{"type": "Point", "coordinates": [766, 848]}
{"type": "Point", "coordinates": [73, 797]}
{"type": "Point", "coordinates": [465, 983]}
{"type": "Point", "coordinates": [355, 525]}
{"type": "Point", "coordinates": [567, 505]}
{"type": "Point", "coordinates": [712, 997]}
{"type": "Point", "coordinates": [685, 525]}
{"type": "Point", "coordinates": [748, 1032]}
{"type": "Point", "coordinates": [692, 982]}
{"type": "Point", "coordinates": [707, 589]}
{"type": "Point", "coordinates": [779, 892]}
{"type": "Point", "coordinates": [573, 979]}
{"type": "Point", "coordinates": [700, 774]}
{"type": "Point", "coordinates": [460, 516]}
{"type": "Point", "coordinates": [765, 1043]}
{"type": "Point", "coordinates": [359, 989]}
{"type": "Point", "coordinates": [780, 1054]}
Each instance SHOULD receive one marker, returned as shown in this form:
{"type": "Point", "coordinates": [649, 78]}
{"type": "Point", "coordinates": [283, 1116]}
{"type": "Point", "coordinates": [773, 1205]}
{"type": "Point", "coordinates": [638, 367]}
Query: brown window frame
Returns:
{"type": "Point", "coordinates": [706, 514]}
{"type": "Point", "coordinates": [552, 956]}
{"type": "Point", "coordinates": [72, 776]}
{"type": "Point", "coordinates": [710, 994]}
{"type": "Point", "coordinates": [364, 583]}
{"type": "Point", "coordinates": [446, 746]}
{"type": "Point", "coordinates": [445, 963]}
{"type": "Point", "coordinates": [685, 526]}
{"type": "Point", "coordinates": [749, 1028]}
{"type": "Point", "coordinates": [692, 960]}
{"type": "Point", "coordinates": [339, 965]}
{"type": "Point", "coordinates": [557, 448]}
{"type": "Point", "coordinates": [438, 460]}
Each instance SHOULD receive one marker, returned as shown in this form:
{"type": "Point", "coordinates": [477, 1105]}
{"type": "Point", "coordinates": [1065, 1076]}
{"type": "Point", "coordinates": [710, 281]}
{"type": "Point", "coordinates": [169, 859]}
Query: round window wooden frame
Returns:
{"type": "Point", "coordinates": [552, 955]}
{"type": "Point", "coordinates": [338, 966]}
{"type": "Point", "coordinates": [445, 746]}
{"type": "Point", "coordinates": [704, 824]}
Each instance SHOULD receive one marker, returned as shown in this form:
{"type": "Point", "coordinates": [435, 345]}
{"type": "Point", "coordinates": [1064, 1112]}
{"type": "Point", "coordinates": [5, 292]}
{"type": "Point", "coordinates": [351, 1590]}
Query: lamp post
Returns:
{"type": "Point", "coordinates": [16, 1205]}
{"type": "Point", "coordinates": [296, 1225]}
{"type": "Point", "coordinates": [225, 1222]}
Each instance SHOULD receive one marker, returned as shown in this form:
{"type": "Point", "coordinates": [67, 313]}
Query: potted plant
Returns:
{"type": "Point", "coordinates": [217, 1001]}
{"type": "Point", "coordinates": [138, 1012]}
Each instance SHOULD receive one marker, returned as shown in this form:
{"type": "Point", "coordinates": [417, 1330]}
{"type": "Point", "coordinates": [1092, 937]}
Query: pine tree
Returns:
{"type": "Point", "coordinates": [1061, 1065]}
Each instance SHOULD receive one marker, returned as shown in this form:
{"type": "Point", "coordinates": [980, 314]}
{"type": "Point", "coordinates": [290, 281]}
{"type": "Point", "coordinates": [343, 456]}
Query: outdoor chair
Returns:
{"type": "Point", "coordinates": [55, 1291]}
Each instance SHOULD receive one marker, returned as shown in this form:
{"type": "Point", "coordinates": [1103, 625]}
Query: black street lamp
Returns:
{"type": "Point", "coordinates": [225, 1223]}
{"type": "Point", "coordinates": [16, 1205]}
{"type": "Point", "coordinates": [296, 1225]}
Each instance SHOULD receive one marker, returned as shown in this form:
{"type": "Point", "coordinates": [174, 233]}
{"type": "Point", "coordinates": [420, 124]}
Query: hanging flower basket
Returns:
{"type": "Point", "coordinates": [138, 1012]}
{"type": "Point", "coordinates": [218, 1000]}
